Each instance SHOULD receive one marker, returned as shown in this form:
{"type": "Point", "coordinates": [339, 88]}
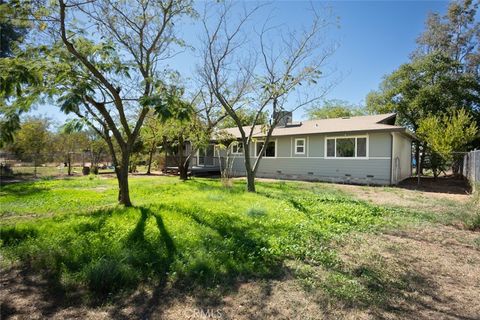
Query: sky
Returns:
{"type": "Point", "coordinates": [374, 38]}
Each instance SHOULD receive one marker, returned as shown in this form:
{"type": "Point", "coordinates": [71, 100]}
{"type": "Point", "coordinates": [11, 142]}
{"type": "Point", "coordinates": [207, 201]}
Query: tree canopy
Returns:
{"type": "Point", "coordinates": [334, 109]}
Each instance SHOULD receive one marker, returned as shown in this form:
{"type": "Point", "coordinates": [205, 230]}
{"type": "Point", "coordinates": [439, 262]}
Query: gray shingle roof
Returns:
{"type": "Point", "coordinates": [377, 122]}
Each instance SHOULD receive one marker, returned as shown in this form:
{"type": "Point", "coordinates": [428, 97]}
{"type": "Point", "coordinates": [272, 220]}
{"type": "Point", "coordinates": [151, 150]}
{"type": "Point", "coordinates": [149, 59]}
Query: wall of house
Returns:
{"type": "Point", "coordinates": [402, 157]}
{"type": "Point", "coordinates": [313, 164]}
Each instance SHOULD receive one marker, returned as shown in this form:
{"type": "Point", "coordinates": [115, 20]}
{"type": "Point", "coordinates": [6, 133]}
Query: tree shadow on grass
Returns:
{"type": "Point", "coordinates": [22, 189]}
{"type": "Point", "coordinates": [229, 254]}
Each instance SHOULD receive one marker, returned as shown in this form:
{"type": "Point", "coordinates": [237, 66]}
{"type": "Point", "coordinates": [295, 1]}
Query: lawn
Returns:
{"type": "Point", "coordinates": [343, 251]}
{"type": "Point", "coordinates": [194, 233]}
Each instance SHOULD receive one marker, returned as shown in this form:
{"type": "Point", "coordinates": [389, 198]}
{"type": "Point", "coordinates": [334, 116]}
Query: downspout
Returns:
{"type": "Point", "coordinates": [391, 159]}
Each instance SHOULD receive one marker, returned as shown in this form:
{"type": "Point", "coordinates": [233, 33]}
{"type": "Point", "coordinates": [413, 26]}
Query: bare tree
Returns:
{"type": "Point", "coordinates": [109, 66]}
{"type": "Point", "coordinates": [262, 74]}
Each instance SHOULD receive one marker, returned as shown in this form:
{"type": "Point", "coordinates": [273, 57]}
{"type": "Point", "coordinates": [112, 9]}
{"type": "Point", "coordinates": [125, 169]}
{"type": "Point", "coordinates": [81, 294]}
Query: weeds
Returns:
{"type": "Point", "coordinates": [192, 234]}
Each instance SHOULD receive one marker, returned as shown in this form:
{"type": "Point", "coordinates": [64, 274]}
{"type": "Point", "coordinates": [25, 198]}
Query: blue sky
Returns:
{"type": "Point", "coordinates": [374, 37]}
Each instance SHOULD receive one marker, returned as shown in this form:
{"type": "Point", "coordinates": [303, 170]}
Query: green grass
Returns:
{"type": "Point", "coordinates": [190, 234]}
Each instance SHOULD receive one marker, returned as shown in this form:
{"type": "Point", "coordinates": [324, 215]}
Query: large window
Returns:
{"type": "Point", "coordinates": [299, 146]}
{"type": "Point", "coordinates": [237, 148]}
{"type": "Point", "coordinates": [269, 151]}
{"type": "Point", "coordinates": [347, 147]}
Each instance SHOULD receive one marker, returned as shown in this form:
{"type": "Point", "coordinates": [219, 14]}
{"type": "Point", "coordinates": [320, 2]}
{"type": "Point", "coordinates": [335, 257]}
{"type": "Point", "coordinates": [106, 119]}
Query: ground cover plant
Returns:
{"type": "Point", "coordinates": [189, 234]}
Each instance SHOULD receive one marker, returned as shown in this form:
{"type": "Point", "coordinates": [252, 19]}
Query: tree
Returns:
{"type": "Point", "coordinates": [12, 31]}
{"type": "Point", "coordinates": [429, 85]}
{"type": "Point", "coordinates": [231, 73]}
{"type": "Point", "coordinates": [456, 34]}
{"type": "Point", "coordinates": [68, 142]}
{"type": "Point", "coordinates": [184, 126]}
{"type": "Point", "coordinates": [448, 134]}
{"type": "Point", "coordinates": [33, 141]}
{"type": "Point", "coordinates": [151, 136]}
{"type": "Point", "coordinates": [17, 74]}
{"type": "Point", "coordinates": [247, 117]}
{"type": "Point", "coordinates": [334, 109]}
{"type": "Point", "coordinates": [109, 72]}
{"type": "Point", "coordinates": [97, 147]}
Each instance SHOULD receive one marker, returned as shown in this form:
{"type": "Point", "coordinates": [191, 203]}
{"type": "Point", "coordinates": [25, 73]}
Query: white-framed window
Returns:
{"type": "Point", "coordinates": [346, 147]}
{"type": "Point", "coordinates": [269, 152]}
{"type": "Point", "coordinates": [300, 146]}
{"type": "Point", "coordinates": [237, 148]}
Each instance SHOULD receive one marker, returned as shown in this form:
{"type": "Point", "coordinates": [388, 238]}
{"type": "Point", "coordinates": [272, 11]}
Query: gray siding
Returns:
{"type": "Point", "coordinates": [375, 171]}
{"type": "Point", "coordinates": [313, 165]}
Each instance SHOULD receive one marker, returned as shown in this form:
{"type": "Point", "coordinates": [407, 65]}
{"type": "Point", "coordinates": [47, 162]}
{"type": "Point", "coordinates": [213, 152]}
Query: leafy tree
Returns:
{"type": "Point", "coordinates": [448, 134]}
{"type": "Point", "coordinates": [456, 34]}
{"type": "Point", "coordinates": [33, 141]}
{"type": "Point", "coordinates": [429, 85]}
{"type": "Point", "coordinates": [151, 135]}
{"type": "Point", "coordinates": [107, 69]}
{"type": "Point", "coordinates": [12, 31]}
{"type": "Point", "coordinates": [97, 147]}
{"type": "Point", "coordinates": [183, 131]}
{"type": "Point", "coordinates": [17, 74]}
{"type": "Point", "coordinates": [67, 143]}
{"type": "Point", "coordinates": [334, 109]}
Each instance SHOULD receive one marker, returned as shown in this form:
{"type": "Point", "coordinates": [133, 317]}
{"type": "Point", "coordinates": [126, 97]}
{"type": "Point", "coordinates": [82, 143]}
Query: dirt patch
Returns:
{"type": "Point", "coordinates": [442, 265]}
{"type": "Point", "coordinates": [408, 198]}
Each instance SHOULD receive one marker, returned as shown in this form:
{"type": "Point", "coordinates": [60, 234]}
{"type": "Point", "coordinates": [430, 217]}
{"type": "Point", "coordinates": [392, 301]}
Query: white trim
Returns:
{"type": "Point", "coordinates": [355, 147]}
{"type": "Point", "coordinates": [304, 145]}
{"type": "Point", "coordinates": [236, 144]}
{"type": "Point", "coordinates": [330, 158]}
{"type": "Point", "coordinates": [265, 156]}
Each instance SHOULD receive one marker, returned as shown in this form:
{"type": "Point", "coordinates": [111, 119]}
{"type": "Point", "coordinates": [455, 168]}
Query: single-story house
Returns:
{"type": "Point", "coordinates": [363, 149]}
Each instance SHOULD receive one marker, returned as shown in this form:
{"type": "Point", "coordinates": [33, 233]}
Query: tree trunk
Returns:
{"type": "Point", "coordinates": [35, 167]}
{"type": "Point", "coordinates": [69, 163]}
{"type": "Point", "coordinates": [150, 156]}
{"type": "Point", "coordinates": [248, 168]}
{"type": "Point", "coordinates": [183, 170]}
{"type": "Point", "coordinates": [122, 177]}
{"type": "Point", "coordinates": [250, 181]}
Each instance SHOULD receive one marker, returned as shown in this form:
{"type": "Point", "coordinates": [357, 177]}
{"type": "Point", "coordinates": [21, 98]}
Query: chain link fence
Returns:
{"type": "Point", "coordinates": [51, 164]}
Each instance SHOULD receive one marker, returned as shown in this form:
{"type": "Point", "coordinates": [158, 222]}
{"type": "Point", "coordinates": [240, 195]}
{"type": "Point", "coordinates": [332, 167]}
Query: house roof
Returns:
{"type": "Point", "coordinates": [379, 122]}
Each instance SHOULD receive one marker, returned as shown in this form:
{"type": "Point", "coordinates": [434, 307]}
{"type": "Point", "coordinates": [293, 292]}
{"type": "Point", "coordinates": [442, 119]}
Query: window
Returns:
{"type": "Point", "coordinates": [361, 147]}
{"type": "Point", "coordinates": [347, 147]}
{"type": "Point", "coordinates": [330, 147]}
{"type": "Point", "coordinates": [299, 146]}
{"type": "Point", "coordinates": [237, 148]}
{"type": "Point", "coordinates": [269, 151]}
